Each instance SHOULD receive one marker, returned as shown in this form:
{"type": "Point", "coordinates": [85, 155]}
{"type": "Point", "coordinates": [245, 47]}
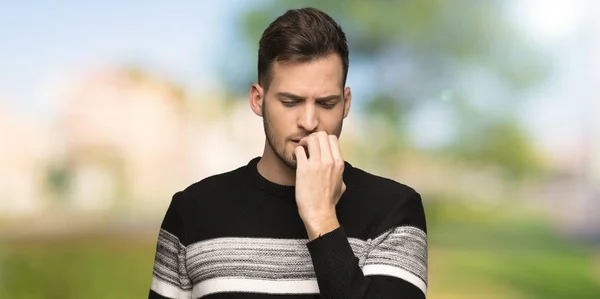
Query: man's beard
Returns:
{"type": "Point", "coordinates": [289, 162]}
{"type": "Point", "coordinates": [292, 164]}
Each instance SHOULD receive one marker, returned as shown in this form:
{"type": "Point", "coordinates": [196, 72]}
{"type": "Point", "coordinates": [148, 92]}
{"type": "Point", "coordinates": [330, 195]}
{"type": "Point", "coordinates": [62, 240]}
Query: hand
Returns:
{"type": "Point", "coordinates": [319, 183]}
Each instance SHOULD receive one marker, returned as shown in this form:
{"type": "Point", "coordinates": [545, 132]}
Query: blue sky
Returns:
{"type": "Point", "coordinates": [41, 39]}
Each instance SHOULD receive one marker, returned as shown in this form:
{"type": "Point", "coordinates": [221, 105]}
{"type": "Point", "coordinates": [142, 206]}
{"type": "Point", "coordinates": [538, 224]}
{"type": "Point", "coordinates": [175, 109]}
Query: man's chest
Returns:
{"type": "Point", "coordinates": [266, 217]}
{"type": "Point", "coordinates": [257, 247]}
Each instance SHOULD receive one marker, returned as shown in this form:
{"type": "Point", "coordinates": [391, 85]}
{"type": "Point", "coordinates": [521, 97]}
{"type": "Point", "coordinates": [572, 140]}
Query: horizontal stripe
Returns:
{"type": "Point", "coordinates": [279, 266]}
{"type": "Point", "coordinates": [396, 272]}
{"type": "Point", "coordinates": [245, 285]}
{"type": "Point", "coordinates": [285, 259]}
{"type": "Point", "coordinates": [170, 260]}
{"type": "Point", "coordinates": [168, 290]}
{"type": "Point", "coordinates": [404, 247]}
{"type": "Point", "coordinates": [259, 258]}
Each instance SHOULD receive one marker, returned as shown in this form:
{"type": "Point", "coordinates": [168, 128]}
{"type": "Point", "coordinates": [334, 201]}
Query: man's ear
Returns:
{"type": "Point", "coordinates": [256, 99]}
{"type": "Point", "coordinates": [347, 100]}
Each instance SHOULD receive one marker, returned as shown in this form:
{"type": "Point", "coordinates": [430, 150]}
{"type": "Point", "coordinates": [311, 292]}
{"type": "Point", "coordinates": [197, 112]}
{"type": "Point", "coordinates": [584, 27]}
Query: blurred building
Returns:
{"type": "Point", "coordinates": [132, 139]}
{"type": "Point", "coordinates": [121, 140]}
{"type": "Point", "coordinates": [26, 144]}
{"type": "Point", "coordinates": [124, 138]}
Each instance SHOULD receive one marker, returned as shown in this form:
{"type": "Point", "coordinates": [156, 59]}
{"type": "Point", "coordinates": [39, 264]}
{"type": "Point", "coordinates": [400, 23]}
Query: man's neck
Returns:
{"type": "Point", "coordinates": [275, 170]}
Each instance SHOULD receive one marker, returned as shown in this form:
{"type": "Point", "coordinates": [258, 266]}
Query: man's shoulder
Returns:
{"type": "Point", "coordinates": [214, 184]}
{"type": "Point", "coordinates": [390, 202]}
{"type": "Point", "coordinates": [370, 182]}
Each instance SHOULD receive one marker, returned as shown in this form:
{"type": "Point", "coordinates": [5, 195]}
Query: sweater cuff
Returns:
{"type": "Point", "coordinates": [333, 260]}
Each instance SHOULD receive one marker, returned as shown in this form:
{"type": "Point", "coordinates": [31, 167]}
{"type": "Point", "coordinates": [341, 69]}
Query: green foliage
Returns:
{"type": "Point", "coordinates": [439, 37]}
{"type": "Point", "coordinates": [431, 47]}
{"type": "Point", "coordinates": [508, 146]}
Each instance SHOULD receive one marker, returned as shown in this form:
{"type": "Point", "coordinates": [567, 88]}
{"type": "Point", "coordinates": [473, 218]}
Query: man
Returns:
{"type": "Point", "coordinates": [299, 221]}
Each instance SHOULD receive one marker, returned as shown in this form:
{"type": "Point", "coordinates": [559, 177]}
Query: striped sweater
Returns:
{"type": "Point", "coordinates": [238, 235]}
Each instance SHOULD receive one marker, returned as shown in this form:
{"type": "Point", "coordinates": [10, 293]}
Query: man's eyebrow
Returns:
{"type": "Point", "coordinates": [289, 96]}
{"type": "Point", "coordinates": [329, 98]}
{"type": "Point", "coordinates": [300, 98]}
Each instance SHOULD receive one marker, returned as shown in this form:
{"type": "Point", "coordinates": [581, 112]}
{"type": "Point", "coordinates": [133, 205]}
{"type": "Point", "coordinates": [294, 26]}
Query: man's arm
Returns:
{"type": "Point", "coordinates": [169, 276]}
{"type": "Point", "coordinates": [396, 260]}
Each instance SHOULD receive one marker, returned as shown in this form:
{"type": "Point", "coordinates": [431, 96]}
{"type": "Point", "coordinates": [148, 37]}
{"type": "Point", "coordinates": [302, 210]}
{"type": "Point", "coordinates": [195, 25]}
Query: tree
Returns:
{"type": "Point", "coordinates": [462, 56]}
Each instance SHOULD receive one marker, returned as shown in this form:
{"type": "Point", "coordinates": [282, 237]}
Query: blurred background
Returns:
{"type": "Point", "coordinates": [490, 109]}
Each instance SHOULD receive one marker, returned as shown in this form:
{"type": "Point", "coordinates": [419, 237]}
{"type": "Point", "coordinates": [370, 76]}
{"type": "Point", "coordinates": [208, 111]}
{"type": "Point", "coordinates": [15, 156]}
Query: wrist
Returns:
{"type": "Point", "coordinates": [318, 224]}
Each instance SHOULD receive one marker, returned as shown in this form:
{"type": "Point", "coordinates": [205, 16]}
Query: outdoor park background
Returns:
{"type": "Point", "coordinates": [491, 109]}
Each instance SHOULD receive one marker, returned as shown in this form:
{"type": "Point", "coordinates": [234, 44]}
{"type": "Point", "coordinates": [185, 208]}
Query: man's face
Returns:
{"type": "Point", "coordinates": [303, 98]}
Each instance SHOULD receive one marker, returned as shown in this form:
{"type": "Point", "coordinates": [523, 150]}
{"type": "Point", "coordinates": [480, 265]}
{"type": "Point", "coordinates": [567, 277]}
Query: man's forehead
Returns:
{"type": "Point", "coordinates": [312, 78]}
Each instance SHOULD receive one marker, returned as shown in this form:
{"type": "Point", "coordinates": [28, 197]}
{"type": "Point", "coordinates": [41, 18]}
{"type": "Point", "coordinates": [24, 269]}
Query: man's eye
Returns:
{"type": "Point", "coordinates": [288, 103]}
{"type": "Point", "coordinates": [327, 105]}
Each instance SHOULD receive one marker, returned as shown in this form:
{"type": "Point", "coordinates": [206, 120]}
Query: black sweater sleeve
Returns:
{"type": "Point", "coordinates": [395, 265]}
{"type": "Point", "coordinates": [169, 275]}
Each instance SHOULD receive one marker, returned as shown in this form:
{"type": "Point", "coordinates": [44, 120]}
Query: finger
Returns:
{"type": "Point", "coordinates": [300, 155]}
{"type": "Point", "coordinates": [324, 147]}
{"type": "Point", "coordinates": [336, 153]}
{"type": "Point", "coordinates": [312, 143]}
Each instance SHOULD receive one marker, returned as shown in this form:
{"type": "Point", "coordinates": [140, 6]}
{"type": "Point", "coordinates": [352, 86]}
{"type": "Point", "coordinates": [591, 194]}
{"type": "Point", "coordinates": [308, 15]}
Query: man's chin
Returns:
{"type": "Point", "coordinates": [291, 164]}
{"type": "Point", "coordinates": [288, 161]}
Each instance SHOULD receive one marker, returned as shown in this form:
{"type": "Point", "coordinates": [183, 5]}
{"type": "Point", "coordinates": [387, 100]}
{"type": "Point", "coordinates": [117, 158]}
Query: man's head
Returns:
{"type": "Point", "coordinates": [302, 70]}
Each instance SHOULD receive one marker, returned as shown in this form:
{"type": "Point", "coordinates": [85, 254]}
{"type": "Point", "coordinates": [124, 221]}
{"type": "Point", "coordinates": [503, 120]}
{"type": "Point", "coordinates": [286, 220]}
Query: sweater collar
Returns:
{"type": "Point", "coordinates": [283, 191]}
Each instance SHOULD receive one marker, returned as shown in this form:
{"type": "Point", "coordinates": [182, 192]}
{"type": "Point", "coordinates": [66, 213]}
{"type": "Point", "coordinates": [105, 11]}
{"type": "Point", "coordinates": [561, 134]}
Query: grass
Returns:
{"type": "Point", "coordinates": [84, 267]}
{"type": "Point", "coordinates": [476, 257]}
{"type": "Point", "coordinates": [522, 256]}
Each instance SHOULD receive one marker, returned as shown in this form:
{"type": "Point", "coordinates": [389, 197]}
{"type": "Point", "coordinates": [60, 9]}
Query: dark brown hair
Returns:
{"type": "Point", "coordinates": [300, 35]}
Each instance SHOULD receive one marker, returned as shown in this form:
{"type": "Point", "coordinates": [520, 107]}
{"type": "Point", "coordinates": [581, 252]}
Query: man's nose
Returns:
{"type": "Point", "coordinates": [309, 120]}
